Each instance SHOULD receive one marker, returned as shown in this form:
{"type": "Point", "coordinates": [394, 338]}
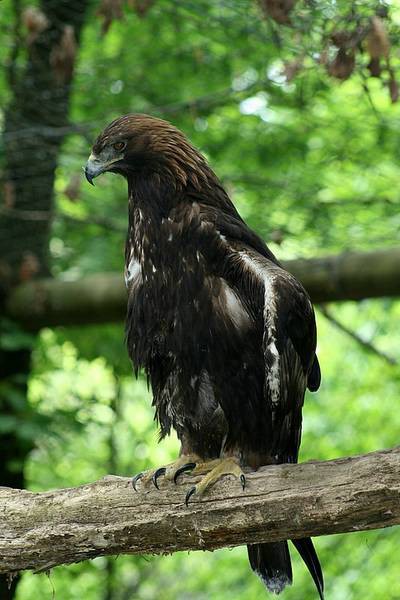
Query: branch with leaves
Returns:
{"type": "Point", "coordinates": [351, 40]}
{"type": "Point", "coordinates": [367, 345]}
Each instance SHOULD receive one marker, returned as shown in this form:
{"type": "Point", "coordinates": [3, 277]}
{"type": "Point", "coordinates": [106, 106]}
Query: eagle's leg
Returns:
{"type": "Point", "coordinates": [229, 465]}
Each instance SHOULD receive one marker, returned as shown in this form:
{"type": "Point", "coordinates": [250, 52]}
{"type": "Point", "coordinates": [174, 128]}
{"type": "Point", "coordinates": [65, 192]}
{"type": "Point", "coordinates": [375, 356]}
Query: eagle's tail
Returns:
{"type": "Point", "coordinates": [307, 552]}
{"type": "Point", "coordinates": [272, 563]}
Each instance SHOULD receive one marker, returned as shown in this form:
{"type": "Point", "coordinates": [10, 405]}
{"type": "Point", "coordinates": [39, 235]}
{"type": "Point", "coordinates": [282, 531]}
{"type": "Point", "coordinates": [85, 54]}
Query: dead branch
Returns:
{"type": "Point", "coordinates": [41, 530]}
{"type": "Point", "coordinates": [101, 298]}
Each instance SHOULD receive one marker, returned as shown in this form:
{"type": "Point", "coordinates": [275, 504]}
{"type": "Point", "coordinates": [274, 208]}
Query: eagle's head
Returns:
{"type": "Point", "coordinates": [140, 144]}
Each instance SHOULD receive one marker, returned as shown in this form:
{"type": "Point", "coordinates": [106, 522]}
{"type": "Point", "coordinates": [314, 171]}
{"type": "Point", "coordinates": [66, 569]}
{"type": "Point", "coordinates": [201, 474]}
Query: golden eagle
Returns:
{"type": "Point", "coordinates": [225, 335]}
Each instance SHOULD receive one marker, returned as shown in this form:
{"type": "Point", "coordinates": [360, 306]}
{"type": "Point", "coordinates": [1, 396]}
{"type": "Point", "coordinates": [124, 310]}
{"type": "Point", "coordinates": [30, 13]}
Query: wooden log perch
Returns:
{"type": "Point", "coordinates": [41, 530]}
{"type": "Point", "coordinates": [101, 298]}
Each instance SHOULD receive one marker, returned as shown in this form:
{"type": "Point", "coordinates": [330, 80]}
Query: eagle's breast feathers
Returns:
{"type": "Point", "coordinates": [226, 336]}
{"type": "Point", "coordinates": [199, 300]}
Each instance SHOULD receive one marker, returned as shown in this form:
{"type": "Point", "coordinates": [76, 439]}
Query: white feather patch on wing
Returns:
{"type": "Point", "coordinates": [272, 375]}
{"type": "Point", "coordinates": [235, 308]}
{"type": "Point", "coordinates": [132, 271]}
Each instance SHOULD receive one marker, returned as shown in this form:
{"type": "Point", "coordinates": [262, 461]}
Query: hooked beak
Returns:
{"type": "Point", "coordinates": [94, 167]}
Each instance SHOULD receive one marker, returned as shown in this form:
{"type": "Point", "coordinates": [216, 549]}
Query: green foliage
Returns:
{"type": "Point", "coordinates": [13, 337]}
{"type": "Point", "coordinates": [313, 166]}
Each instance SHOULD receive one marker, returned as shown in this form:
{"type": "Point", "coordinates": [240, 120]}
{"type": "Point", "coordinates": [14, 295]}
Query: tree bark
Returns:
{"type": "Point", "coordinates": [41, 530]}
{"type": "Point", "coordinates": [102, 297]}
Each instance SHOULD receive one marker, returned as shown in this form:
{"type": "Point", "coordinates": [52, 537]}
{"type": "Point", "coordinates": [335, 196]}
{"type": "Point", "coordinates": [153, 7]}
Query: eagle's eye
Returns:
{"type": "Point", "coordinates": [119, 146]}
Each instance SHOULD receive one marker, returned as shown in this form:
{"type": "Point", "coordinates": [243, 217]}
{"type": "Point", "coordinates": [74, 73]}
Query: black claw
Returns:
{"type": "Point", "coordinates": [184, 469]}
{"type": "Point", "coordinates": [190, 494]}
{"type": "Point", "coordinates": [157, 474]}
{"type": "Point", "coordinates": [135, 480]}
{"type": "Point", "coordinates": [243, 481]}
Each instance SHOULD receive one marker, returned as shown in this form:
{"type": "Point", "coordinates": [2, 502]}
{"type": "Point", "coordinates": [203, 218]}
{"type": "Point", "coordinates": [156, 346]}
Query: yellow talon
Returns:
{"type": "Point", "coordinates": [222, 466]}
{"type": "Point", "coordinates": [213, 470]}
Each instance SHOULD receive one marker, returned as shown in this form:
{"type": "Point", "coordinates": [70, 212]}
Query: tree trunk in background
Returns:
{"type": "Point", "coordinates": [38, 108]}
